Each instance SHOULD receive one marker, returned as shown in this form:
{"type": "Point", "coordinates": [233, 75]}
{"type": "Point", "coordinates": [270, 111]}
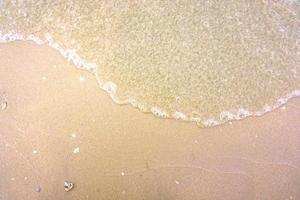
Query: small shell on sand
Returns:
{"type": "Point", "coordinates": [68, 186]}
{"type": "Point", "coordinates": [3, 105]}
{"type": "Point", "coordinates": [76, 150]}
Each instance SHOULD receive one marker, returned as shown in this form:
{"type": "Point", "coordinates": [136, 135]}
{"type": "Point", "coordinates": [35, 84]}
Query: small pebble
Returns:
{"type": "Point", "coordinates": [68, 186]}
{"type": "Point", "coordinates": [38, 189]}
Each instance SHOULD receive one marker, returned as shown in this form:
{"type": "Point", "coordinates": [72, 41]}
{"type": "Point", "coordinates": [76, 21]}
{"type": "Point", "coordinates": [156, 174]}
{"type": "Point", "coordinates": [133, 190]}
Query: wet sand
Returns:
{"type": "Point", "coordinates": [59, 126]}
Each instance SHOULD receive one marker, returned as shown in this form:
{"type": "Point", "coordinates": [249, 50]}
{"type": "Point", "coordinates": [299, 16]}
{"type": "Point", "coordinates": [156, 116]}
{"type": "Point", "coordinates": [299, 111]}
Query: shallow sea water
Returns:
{"type": "Point", "coordinates": [203, 61]}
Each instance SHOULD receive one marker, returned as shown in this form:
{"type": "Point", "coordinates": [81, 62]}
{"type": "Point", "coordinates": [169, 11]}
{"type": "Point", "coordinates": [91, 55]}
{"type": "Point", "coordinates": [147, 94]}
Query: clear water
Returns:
{"type": "Point", "coordinates": [203, 61]}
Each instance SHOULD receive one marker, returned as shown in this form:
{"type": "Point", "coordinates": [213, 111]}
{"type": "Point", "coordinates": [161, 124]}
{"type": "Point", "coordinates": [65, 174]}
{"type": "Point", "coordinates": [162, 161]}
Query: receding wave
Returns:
{"type": "Point", "coordinates": [202, 61]}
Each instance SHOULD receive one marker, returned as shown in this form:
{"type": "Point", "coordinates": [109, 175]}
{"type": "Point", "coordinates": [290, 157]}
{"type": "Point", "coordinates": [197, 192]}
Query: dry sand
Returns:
{"type": "Point", "coordinates": [59, 126]}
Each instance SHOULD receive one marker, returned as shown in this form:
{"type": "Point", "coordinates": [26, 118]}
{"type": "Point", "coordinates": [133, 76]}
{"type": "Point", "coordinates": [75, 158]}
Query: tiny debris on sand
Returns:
{"type": "Point", "coordinates": [68, 186]}
{"type": "Point", "coordinates": [3, 102]}
{"type": "Point", "coordinates": [81, 78]}
{"type": "Point", "coordinates": [76, 150]}
{"type": "Point", "coordinates": [38, 189]}
{"type": "Point", "coordinates": [3, 105]}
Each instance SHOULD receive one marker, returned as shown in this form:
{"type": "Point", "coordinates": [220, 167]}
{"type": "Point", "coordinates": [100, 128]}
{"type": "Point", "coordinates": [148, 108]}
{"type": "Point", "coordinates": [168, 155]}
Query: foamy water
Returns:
{"type": "Point", "coordinates": [203, 61]}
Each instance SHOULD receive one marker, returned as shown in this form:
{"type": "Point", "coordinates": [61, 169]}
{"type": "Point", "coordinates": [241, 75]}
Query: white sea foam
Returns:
{"type": "Point", "coordinates": [110, 88]}
{"type": "Point", "coordinates": [71, 55]}
{"type": "Point", "coordinates": [226, 116]}
{"type": "Point", "coordinates": [210, 122]}
{"type": "Point", "coordinates": [157, 111]}
{"type": "Point", "coordinates": [179, 115]}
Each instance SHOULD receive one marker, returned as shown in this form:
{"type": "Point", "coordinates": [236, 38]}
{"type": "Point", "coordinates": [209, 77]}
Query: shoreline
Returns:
{"type": "Point", "coordinates": [110, 87]}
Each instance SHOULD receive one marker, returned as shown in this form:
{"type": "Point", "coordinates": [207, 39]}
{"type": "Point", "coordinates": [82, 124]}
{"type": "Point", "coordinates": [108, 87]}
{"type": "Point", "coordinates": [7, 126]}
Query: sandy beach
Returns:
{"type": "Point", "coordinates": [57, 125]}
